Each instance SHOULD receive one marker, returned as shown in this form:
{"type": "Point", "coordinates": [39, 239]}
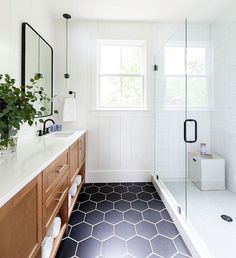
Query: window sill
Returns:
{"type": "Point", "coordinates": [121, 112]}
{"type": "Point", "coordinates": [121, 109]}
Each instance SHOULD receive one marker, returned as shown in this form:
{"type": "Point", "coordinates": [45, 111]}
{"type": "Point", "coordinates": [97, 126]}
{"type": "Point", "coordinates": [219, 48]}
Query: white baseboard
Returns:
{"type": "Point", "coordinates": [195, 244]}
{"type": "Point", "coordinates": [100, 176]}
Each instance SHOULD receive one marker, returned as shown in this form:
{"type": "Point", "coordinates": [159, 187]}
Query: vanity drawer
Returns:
{"type": "Point", "coordinates": [54, 202]}
{"type": "Point", "coordinates": [53, 173]}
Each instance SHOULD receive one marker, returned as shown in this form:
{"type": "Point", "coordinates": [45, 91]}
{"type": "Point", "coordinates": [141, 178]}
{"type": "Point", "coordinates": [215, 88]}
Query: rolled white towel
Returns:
{"type": "Point", "coordinates": [73, 189]}
{"type": "Point", "coordinates": [69, 200]}
{"type": "Point", "coordinates": [54, 228]}
{"type": "Point", "coordinates": [47, 245]}
{"type": "Point", "coordinates": [78, 179]}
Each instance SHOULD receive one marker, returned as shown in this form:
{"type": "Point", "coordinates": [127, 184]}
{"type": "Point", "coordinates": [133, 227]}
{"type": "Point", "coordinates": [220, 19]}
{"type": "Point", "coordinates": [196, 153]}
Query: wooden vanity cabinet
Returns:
{"type": "Point", "coordinates": [82, 150]}
{"type": "Point", "coordinates": [21, 222]}
{"type": "Point", "coordinates": [77, 157]}
{"type": "Point", "coordinates": [26, 218]}
{"type": "Point", "coordinates": [53, 174]}
{"type": "Point", "coordinates": [74, 160]}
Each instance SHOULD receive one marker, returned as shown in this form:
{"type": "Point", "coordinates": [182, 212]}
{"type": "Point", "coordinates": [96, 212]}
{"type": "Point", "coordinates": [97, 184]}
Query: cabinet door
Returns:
{"type": "Point", "coordinates": [21, 222]}
{"type": "Point", "coordinates": [74, 159]}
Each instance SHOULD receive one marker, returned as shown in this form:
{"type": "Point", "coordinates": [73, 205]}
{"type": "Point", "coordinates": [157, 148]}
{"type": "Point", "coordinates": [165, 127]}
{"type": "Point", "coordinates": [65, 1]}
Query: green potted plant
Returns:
{"type": "Point", "coordinates": [17, 107]}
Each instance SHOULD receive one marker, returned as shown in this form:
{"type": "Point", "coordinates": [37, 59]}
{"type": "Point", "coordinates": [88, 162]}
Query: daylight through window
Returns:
{"type": "Point", "coordinates": [197, 77]}
{"type": "Point", "coordinates": [121, 74]}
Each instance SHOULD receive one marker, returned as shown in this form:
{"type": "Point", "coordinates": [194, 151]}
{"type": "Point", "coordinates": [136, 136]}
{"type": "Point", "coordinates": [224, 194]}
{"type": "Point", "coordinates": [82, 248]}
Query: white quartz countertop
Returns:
{"type": "Point", "coordinates": [31, 158]}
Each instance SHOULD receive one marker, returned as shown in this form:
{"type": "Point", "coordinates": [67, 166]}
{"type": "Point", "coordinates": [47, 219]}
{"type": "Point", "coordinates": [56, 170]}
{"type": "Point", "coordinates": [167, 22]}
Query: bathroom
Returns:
{"type": "Point", "coordinates": [150, 86]}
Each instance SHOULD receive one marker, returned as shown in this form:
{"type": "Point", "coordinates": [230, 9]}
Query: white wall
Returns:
{"type": "Point", "coordinates": [223, 117]}
{"type": "Point", "coordinates": [13, 13]}
{"type": "Point", "coordinates": [120, 144]}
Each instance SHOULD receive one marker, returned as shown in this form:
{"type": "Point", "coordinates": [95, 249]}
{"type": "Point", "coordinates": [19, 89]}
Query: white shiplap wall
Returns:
{"type": "Point", "coordinates": [120, 144]}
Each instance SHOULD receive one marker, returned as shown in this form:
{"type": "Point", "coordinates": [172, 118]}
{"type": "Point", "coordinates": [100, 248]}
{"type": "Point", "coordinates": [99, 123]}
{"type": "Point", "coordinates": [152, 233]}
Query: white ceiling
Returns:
{"type": "Point", "coordinates": [139, 10]}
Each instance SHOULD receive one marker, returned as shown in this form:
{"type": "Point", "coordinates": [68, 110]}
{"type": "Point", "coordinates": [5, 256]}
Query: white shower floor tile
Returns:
{"type": "Point", "coordinates": [204, 214]}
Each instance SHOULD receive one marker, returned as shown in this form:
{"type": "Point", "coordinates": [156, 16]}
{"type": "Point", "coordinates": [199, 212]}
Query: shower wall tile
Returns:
{"type": "Point", "coordinates": [223, 116]}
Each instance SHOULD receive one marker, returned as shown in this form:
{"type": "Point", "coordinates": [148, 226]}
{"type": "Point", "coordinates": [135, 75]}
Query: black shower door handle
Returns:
{"type": "Point", "coordinates": [185, 130]}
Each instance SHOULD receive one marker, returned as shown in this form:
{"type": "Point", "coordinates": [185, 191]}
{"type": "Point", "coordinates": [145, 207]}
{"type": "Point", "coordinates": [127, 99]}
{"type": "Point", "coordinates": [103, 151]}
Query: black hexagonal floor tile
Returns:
{"type": "Point", "coordinates": [146, 229]}
{"type": "Point", "coordinates": [127, 183]}
{"type": "Point", "coordinates": [106, 189]}
{"type": "Point", "coordinates": [156, 196]}
{"type": "Point", "coordinates": [109, 217]}
{"type": "Point", "coordinates": [139, 205]}
{"type": "Point", "coordinates": [91, 189]}
{"type": "Point", "coordinates": [94, 217]}
{"type": "Point", "coordinates": [125, 230]}
{"type": "Point", "coordinates": [99, 184]}
{"type": "Point", "coordinates": [98, 197]}
{"type": "Point", "coordinates": [167, 228]}
{"type": "Point", "coordinates": [83, 197]}
{"type": "Point", "coordinates": [120, 189]}
{"type": "Point", "coordinates": [113, 184]}
{"type": "Point", "coordinates": [114, 247]}
{"type": "Point", "coordinates": [87, 185]}
{"type": "Point", "coordinates": [113, 216]}
{"type": "Point", "coordinates": [113, 197]}
{"type": "Point", "coordinates": [145, 196]}
{"type": "Point", "coordinates": [152, 215]}
{"type": "Point", "coordinates": [156, 205]}
{"type": "Point", "coordinates": [180, 256]}
{"type": "Point", "coordinates": [67, 248]}
{"type": "Point", "coordinates": [87, 206]}
{"type": "Point", "coordinates": [165, 214]}
{"type": "Point", "coordinates": [181, 246]}
{"type": "Point", "coordinates": [154, 256]}
{"type": "Point", "coordinates": [129, 196]}
{"type": "Point", "coordinates": [67, 231]}
{"type": "Point", "coordinates": [76, 217]}
{"type": "Point", "coordinates": [139, 183]}
{"type": "Point", "coordinates": [133, 216]}
{"type": "Point", "coordinates": [139, 247]}
{"type": "Point", "coordinates": [122, 205]}
{"type": "Point", "coordinates": [102, 231]}
{"type": "Point", "coordinates": [163, 246]}
{"type": "Point", "coordinates": [135, 189]}
{"type": "Point", "coordinates": [81, 231]}
{"type": "Point", "coordinates": [149, 189]}
{"type": "Point", "coordinates": [105, 206]}
{"type": "Point", "coordinates": [89, 248]}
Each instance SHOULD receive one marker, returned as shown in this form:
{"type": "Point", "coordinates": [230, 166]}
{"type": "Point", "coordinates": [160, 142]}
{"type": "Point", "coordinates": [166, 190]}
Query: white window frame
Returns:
{"type": "Point", "coordinates": [134, 43]}
{"type": "Point", "coordinates": [191, 44]}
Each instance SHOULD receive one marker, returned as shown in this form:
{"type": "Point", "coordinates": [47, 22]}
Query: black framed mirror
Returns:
{"type": "Point", "coordinates": [37, 58]}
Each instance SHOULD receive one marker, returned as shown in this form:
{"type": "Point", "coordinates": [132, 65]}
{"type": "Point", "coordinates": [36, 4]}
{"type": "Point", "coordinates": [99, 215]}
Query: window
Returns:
{"type": "Point", "coordinates": [121, 74]}
{"type": "Point", "coordinates": [197, 79]}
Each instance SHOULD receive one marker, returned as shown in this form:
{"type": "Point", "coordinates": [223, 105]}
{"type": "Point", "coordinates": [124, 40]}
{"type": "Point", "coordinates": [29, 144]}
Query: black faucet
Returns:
{"type": "Point", "coordinates": [46, 129]}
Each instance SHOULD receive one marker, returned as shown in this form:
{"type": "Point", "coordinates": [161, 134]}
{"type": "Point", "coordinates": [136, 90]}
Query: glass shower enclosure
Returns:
{"type": "Point", "coordinates": [195, 111]}
{"type": "Point", "coordinates": [170, 114]}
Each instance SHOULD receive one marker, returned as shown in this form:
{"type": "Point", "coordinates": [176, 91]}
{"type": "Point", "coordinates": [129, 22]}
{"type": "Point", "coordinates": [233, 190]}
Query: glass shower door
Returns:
{"type": "Point", "coordinates": [170, 114]}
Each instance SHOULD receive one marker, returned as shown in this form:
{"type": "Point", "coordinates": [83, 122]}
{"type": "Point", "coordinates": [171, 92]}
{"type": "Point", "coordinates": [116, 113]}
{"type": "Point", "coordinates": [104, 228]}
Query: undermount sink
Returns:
{"type": "Point", "coordinates": [59, 134]}
{"type": "Point", "coordinates": [63, 134]}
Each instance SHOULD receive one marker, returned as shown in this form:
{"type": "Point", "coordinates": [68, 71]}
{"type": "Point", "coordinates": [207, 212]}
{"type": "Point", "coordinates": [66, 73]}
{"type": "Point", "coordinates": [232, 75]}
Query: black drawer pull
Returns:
{"type": "Point", "coordinates": [194, 160]}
